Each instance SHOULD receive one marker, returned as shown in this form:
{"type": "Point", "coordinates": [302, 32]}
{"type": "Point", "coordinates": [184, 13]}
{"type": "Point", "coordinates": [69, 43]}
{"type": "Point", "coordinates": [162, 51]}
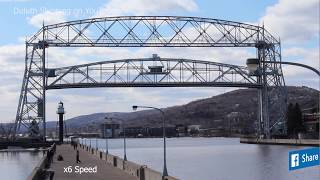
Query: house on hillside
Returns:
{"type": "Point", "coordinates": [311, 120]}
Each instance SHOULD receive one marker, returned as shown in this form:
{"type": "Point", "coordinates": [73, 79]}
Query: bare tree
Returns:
{"type": "Point", "coordinates": [6, 130]}
{"type": "Point", "coordinates": [2, 130]}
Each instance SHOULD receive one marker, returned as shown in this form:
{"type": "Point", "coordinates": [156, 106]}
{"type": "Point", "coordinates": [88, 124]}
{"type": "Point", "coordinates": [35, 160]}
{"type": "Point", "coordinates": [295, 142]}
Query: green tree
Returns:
{"type": "Point", "coordinates": [298, 119]}
{"type": "Point", "coordinates": [290, 119]}
{"type": "Point", "coordinates": [294, 120]}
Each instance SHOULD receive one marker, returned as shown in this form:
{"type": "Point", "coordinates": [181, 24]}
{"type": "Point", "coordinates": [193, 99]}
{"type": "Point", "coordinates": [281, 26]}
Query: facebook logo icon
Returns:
{"type": "Point", "coordinates": [304, 158]}
{"type": "Point", "coordinates": [294, 160]}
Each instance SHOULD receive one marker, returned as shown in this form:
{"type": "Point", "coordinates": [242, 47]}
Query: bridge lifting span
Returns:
{"type": "Point", "coordinates": [150, 72]}
{"type": "Point", "coordinates": [153, 31]}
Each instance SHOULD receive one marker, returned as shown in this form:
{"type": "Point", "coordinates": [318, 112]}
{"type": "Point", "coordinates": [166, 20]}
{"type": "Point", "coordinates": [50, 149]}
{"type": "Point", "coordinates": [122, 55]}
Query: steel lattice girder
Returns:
{"type": "Point", "coordinates": [152, 31]}
{"type": "Point", "coordinates": [136, 73]}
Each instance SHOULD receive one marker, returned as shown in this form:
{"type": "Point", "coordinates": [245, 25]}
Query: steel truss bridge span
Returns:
{"type": "Point", "coordinates": [151, 72]}
{"type": "Point", "coordinates": [153, 31]}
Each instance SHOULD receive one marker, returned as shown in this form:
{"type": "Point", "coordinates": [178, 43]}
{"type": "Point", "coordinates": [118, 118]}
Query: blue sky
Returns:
{"type": "Point", "coordinates": [16, 21]}
{"type": "Point", "coordinates": [295, 22]}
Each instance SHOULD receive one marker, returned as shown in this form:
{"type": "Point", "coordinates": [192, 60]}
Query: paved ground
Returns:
{"type": "Point", "coordinates": [104, 170]}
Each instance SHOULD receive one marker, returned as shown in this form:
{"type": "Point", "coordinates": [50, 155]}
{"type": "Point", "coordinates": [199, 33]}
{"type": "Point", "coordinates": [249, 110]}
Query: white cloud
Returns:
{"type": "Point", "coordinates": [7, 51]}
{"type": "Point", "coordinates": [47, 17]}
{"type": "Point", "coordinates": [9, 104]}
{"type": "Point", "coordinates": [307, 56]}
{"type": "Point", "coordinates": [145, 7]}
{"type": "Point", "coordinates": [298, 76]}
{"type": "Point", "coordinates": [11, 57]}
{"type": "Point", "coordinates": [294, 21]}
{"type": "Point", "coordinates": [11, 72]}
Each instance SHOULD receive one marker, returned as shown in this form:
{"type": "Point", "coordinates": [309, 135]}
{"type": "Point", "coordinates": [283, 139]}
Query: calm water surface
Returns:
{"type": "Point", "coordinates": [17, 165]}
{"type": "Point", "coordinates": [211, 158]}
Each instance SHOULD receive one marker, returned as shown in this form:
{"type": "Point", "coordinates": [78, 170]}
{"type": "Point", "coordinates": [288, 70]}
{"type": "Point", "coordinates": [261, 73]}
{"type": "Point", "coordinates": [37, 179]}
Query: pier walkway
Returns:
{"type": "Point", "coordinates": [105, 171]}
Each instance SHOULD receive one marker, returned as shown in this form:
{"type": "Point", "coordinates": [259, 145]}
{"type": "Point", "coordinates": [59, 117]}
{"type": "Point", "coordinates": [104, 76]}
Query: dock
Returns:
{"type": "Point", "coordinates": [294, 142]}
{"type": "Point", "coordinates": [24, 144]}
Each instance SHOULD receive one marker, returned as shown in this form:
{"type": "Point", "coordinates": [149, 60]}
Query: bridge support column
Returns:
{"type": "Point", "coordinates": [31, 107]}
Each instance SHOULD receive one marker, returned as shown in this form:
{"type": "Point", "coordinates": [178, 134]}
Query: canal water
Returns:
{"type": "Point", "coordinates": [211, 158]}
{"type": "Point", "coordinates": [18, 165]}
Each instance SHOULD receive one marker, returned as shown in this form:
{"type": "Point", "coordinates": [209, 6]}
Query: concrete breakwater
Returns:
{"type": "Point", "coordinates": [295, 142]}
{"type": "Point", "coordinates": [24, 144]}
{"type": "Point", "coordinates": [41, 170]}
{"type": "Point", "coordinates": [142, 172]}
{"type": "Point", "coordinates": [109, 166]}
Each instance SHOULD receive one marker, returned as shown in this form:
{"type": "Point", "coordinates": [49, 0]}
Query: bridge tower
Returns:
{"type": "Point", "coordinates": [32, 106]}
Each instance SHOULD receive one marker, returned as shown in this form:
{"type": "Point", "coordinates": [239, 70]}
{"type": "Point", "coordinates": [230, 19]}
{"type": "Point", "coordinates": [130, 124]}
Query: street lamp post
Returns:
{"type": "Point", "coordinates": [96, 144]}
{"type": "Point", "coordinates": [106, 140]}
{"type": "Point", "coordinates": [165, 171]}
{"type": "Point", "coordinates": [124, 136]}
{"type": "Point", "coordinates": [124, 141]}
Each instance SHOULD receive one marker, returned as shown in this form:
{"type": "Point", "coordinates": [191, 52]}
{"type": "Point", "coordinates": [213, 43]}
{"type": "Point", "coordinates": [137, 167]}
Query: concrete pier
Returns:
{"type": "Point", "coordinates": [294, 142]}
{"type": "Point", "coordinates": [103, 166]}
{"type": "Point", "coordinates": [104, 170]}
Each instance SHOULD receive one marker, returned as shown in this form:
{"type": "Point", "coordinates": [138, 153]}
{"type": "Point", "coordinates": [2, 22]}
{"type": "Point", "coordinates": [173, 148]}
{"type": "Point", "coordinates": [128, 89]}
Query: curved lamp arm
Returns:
{"type": "Point", "coordinates": [295, 64]}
